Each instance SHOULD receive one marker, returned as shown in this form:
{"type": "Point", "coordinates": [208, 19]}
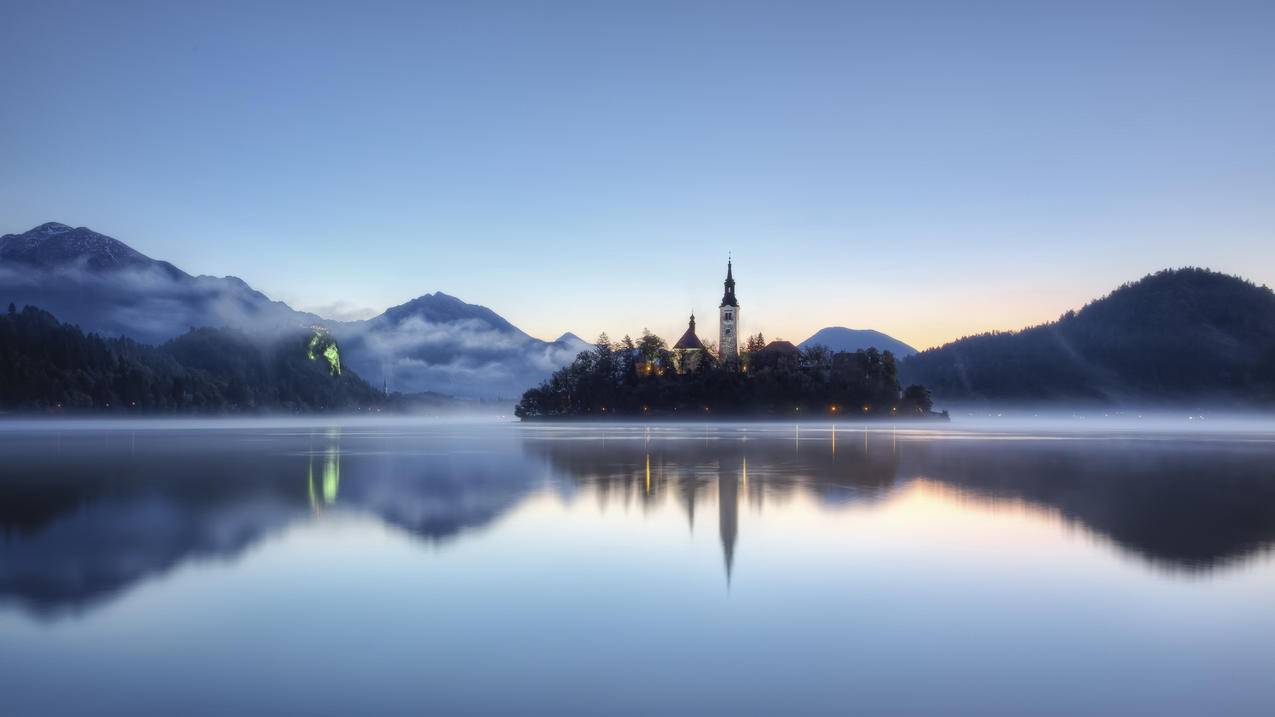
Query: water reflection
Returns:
{"type": "Point", "coordinates": [714, 465]}
{"type": "Point", "coordinates": [330, 482]}
{"type": "Point", "coordinates": [86, 516]}
{"type": "Point", "coordinates": [1178, 502]}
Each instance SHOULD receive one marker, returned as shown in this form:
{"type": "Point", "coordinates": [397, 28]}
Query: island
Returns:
{"type": "Point", "coordinates": [696, 380]}
{"type": "Point", "coordinates": [647, 379]}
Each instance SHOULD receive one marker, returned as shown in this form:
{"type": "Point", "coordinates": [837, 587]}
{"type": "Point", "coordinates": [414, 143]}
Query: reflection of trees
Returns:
{"type": "Point", "coordinates": [1180, 503]}
{"type": "Point", "coordinates": [726, 464]}
{"type": "Point", "coordinates": [857, 465]}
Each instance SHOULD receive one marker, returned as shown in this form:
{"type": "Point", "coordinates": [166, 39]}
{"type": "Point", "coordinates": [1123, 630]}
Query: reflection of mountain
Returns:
{"type": "Point", "coordinates": [434, 496]}
{"type": "Point", "coordinates": [85, 516]}
{"type": "Point", "coordinates": [75, 534]}
{"type": "Point", "coordinates": [1186, 505]}
{"type": "Point", "coordinates": [97, 531]}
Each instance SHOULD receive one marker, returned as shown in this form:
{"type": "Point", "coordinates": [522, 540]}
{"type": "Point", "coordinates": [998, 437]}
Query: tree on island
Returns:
{"type": "Point", "coordinates": [638, 379]}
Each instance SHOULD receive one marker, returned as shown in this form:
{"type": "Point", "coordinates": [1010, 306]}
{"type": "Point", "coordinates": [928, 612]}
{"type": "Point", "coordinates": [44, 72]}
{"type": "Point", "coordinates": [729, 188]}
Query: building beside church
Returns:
{"type": "Point", "coordinates": [689, 351]}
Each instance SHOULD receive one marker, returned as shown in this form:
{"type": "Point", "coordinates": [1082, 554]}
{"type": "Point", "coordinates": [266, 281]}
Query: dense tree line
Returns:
{"type": "Point", "coordinates": [631, 378]}
{"type": "Point", "coordinates": [1181, 335]}
{"type": "Point", "coordinates": [47, 365]}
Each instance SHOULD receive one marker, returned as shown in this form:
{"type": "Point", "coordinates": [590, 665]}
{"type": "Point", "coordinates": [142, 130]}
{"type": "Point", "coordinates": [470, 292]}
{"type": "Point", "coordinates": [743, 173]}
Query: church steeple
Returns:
{"type": "Point", "coordinates": [728, 298]}
{"type": "Point", "coordinates": [728, 314]}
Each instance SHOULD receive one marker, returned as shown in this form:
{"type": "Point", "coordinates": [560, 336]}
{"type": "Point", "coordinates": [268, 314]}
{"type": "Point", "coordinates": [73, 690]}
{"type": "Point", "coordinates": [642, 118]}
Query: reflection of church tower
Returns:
{"type": "Point", "coordinates": [688, 487]}
{"type": "Point", "coordinates": [728, 516]}
{"type": "Point", "coordinates": [728, 341]}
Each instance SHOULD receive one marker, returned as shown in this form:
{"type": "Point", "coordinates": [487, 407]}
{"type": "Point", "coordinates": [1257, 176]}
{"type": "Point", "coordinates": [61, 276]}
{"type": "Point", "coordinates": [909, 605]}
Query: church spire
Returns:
{"type": "Point", "coordinates": [728, 298]}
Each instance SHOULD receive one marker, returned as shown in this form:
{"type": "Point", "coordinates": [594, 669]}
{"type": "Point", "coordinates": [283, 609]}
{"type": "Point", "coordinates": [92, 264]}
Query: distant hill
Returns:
{"type": "Point", "coordinates": [434, 343]}
{"type": "Point", "coordinates": [570, 339]}
{"type": "Point", "coordinates": [440, 308]}
{"type": "Point", "coordinates": [839, 338]}
{"type": "Point", "coordinates": [1177, 336]}
{"type": "Point", "coordinates": [439, 343]}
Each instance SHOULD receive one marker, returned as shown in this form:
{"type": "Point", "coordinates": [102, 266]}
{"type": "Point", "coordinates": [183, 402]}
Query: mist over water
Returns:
{"type": "Point", "coordinates": [999, 564]}
{"type": "Point", "coordinates": [1112, 419]}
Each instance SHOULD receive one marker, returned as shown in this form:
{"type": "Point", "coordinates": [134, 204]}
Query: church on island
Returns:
{"type": "Point", "coordinates": [731, 376]}
{"type": "Point", "coordinates": [689, 351]}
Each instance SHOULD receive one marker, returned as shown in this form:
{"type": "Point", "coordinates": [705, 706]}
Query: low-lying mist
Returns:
{"type": "Point", "coordinates": [964, 421]}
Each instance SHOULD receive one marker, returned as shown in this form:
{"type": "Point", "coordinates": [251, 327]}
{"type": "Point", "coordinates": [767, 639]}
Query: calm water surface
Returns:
{"type": "Point", "coordinates": [497, 568]}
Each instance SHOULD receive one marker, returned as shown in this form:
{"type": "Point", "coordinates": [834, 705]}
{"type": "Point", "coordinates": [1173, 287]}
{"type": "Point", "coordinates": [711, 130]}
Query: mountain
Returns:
{"type": "Point", "coordinates": [106, 286]}
{"type": "Point", "coordinates": [439, 308]}
{"type": "Point", "coordinates": [439, 343]}
{"type": "Point", "coordinates": [1178, 336]}
{"type": "Point", "coordinates": [434, 343]}
{"type": "Point", "coordinates": [53, 245]}
{"type": "Point", "coordinates": [839, 338]}
{"type": "Point", "coordinates": [572, 342]}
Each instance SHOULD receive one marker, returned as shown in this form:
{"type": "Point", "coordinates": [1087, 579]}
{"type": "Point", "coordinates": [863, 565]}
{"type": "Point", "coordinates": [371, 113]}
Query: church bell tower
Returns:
{"type": "Point", "coordinates": [728, 342]}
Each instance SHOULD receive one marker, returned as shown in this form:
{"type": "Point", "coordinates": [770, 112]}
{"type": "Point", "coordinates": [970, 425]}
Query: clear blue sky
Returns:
{"type": "Point", "coordinates": [926, 169]}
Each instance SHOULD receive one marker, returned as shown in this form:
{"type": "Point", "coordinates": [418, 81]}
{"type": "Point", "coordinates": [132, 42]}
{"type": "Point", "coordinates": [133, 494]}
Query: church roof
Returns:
{"type": "Point", "coordinates": [689, 340]}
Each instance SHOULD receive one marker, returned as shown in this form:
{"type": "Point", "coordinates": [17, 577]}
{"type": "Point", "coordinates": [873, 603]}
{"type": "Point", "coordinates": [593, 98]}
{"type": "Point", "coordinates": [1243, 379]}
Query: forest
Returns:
{"type": "Point", "coordinates": [638, 378]}
{"type": "Point", "coordinates": [1179, 336]}
{"type": "Point", "coordinates": [49, 366]}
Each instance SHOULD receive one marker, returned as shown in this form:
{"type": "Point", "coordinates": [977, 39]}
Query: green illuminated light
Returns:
{"type": "Point", "coordinates": [321, 344]}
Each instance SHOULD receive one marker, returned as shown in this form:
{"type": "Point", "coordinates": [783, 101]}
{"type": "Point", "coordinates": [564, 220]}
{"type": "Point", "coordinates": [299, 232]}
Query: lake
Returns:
{"type": "Point", "coordinates": [478, 567]}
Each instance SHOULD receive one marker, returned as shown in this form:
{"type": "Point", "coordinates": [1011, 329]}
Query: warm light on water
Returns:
{"type": "Point", "coordinates": [500, 568]}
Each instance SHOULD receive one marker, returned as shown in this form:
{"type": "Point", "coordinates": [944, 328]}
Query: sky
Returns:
{"type": "Point", "coordinates": [929, 170]}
